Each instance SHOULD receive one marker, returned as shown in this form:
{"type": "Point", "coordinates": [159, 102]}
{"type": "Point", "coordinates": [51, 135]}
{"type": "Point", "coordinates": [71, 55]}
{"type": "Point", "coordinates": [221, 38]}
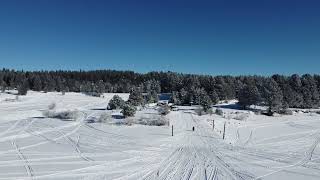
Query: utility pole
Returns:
{"type": "Point", "coordinates": [224, 130]}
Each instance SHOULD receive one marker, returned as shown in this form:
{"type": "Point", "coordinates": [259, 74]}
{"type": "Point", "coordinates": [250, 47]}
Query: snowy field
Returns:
{"type": "Point", "coordinates": [255, 147]}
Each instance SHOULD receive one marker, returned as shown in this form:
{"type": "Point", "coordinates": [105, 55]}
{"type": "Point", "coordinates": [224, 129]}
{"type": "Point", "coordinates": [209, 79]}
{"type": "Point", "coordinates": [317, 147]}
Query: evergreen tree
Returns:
{"type": "Point", "coordinates": [295, 91]}
{"type": "Point", "coordinates": [248, 95]}
{"type": "Point", "coordinates": [184, 97]}
{"type": "Point", "coordinates": [23, 88]}
{"type": "Point", "coordinates": [37, 85]}
{"type": "Point", "coordinates": [214, 97]}
{"type": "Point", "coordinates": [175, 98]}
{"type": "Point", "coordinates": [205, 102]}
{"type": "Point", "coordinates": [272, 95]}
{"type": "Point", "coordinates": [310, 92]}
{"type": "Point", "coordinates": [128, 110]}
{"type": "Point", "coordinates": [135, 97]}
{"type": "Point", "coordinates": [152, 97]}
{"type": "Point", "coordinates": [152, 85]}
{"type": "Point", "coordinates": [116, 103]}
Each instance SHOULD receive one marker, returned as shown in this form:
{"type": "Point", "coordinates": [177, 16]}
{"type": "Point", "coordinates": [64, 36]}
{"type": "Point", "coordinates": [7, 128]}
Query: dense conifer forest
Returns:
{"type": "Point", "coordinates": [277, 92]}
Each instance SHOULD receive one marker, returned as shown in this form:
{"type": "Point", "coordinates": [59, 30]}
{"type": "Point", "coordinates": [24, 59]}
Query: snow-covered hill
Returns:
{"type": "Point", "coordinates": [255, 147]}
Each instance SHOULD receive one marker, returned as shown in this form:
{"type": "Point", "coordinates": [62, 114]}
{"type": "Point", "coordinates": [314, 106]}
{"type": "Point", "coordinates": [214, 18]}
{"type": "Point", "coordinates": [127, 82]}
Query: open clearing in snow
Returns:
{"type": "Point", "coordinates": [257, 147]}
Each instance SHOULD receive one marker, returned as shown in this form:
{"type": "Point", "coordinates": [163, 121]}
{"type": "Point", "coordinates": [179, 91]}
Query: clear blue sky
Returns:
{"type": "Point", "coordinates": [207, 37]}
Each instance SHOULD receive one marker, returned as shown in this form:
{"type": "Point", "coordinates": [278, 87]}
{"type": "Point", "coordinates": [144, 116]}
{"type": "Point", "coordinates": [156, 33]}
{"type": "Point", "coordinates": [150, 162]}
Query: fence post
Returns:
{"type": "Point", "coordinates": [213, 124]}
{"type": "Point", "coordinates": [172, 130]}
{"type": "Point", "coordinates": [224, 130]}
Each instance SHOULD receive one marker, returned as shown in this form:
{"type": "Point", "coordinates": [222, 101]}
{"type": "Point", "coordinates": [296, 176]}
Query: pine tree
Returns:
{"type": "Point", "coordinates": [248, 95]}
{"type": "Point", "coordinates": [116, 103]}
{"type": "Point", "coordinates": [175, 98]}
{"type": "Point", "coordinates": [152, 97]}
{"type": "Point", "coordinates": [23, 88]}
{"type": "Point", "coordinates": [309, 91]}
{"type": "Point", "coordinates": [37, 85]}
{"type": "Point", "coordinates": [184, 97]}
{"type": "Point", "coordinates": [205, 102]}
{"type": "Point", "coordinates": [214, 97]}
{"type": "Point", "coordinates": [296, 91]}
{"type": "Point", "coordinates": [128, 110]}
{"type": "Point", "coordinates": [135, 97]}
{"type": "Point", "coordinates": [272, 95]}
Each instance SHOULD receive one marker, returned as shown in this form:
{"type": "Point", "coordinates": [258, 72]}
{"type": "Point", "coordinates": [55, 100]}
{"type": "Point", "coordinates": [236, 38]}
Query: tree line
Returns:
{"type": "Point", "coordinates": [277, 91]}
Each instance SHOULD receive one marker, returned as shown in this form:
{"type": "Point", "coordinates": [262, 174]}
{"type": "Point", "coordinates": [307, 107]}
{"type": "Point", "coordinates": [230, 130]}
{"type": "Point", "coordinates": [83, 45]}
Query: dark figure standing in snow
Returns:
{"type": "Point", "coordinates": [193, 128]}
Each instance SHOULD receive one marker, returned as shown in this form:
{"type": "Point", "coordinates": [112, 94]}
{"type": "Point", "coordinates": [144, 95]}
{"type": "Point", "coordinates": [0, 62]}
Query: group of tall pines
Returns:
{"type": "Point", "coordinates": [277, 92]}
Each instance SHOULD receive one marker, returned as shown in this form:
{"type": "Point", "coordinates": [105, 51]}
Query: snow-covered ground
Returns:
{"type": "Point", "coordinates": [255, 147]}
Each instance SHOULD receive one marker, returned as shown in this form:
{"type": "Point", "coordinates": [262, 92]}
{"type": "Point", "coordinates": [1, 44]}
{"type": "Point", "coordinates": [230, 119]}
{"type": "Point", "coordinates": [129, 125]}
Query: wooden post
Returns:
{"type": "Point", "coordinates": [213, 124]}
{"type": "Point", "coordinates": [172, 130]}
{"type": "Point", "coordinates": [224, 130]}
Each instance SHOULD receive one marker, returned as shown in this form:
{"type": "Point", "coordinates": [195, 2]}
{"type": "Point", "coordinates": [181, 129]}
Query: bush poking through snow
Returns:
{"type": "Point", "coordinates": [286, 112]}
{"type": "Point", "coordinates": [241, 117]}
{"type": "Point", "coordinates": [164, 110]}
{"type": "Point", "coordinates": [219, 112]}
{"type": "Point", "coordinates": [153, 121]}
{"type": "Point", "coordinates": [105, 118]}
{"type": "Point", "coordinates": [63, 115]}
{"type": "Point", "coordinates": [52, 106]}
{"type": "Point", "coordinates": [128, 110]}
{"type": "Point", "coordinates": [199, 111]}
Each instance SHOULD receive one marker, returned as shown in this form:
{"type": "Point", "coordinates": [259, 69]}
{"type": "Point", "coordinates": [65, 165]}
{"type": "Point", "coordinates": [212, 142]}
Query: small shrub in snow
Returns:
{"type": "Point", "coordinates": [128, 110]}
{"type": "Point", "coordinates": [258, 112]}
{"type": "Point", "coordinates": [64, 115]}
{"type": "Point", "coordinates": [164, 109]}
{"type": "Point", "coordinates": [241, 116]}
{"type": "Point", "coordinates": [127, 121]}
{"type": "Point", "coordinates": [52, 106]}
{"type": "Point", "coordinates": [267, 113]}
{"type": "Point", "coordinates": [219, 112]}
{"type": "Point", "coordinates": [286, 112]}
{"type": "Point", "coordinates": [200, 111]}
{"type": "Point", "coordinates": [104, 118]}
{"type": "Point", "coordinates": [153, 121]}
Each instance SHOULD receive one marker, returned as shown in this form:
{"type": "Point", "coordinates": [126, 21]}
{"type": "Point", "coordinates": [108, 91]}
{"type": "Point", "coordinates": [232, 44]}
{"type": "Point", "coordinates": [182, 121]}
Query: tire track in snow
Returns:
{"type": "Point", "coordinates": [21, 156]}
{"type": "Point", "coordinates": [10, 128]}
{"type": "Point", "coordinates": [249, 138]}
{"type": "Point", "coordinates": [217, 158]}
{"type": "Point", "coordinates": [72, 143]}
{"type": "Point", "coordinates": [44, 142]}
{"type": "Point", "coordinates": [303, 161]}
{"type": "Point", "coordinates": [27, 166]}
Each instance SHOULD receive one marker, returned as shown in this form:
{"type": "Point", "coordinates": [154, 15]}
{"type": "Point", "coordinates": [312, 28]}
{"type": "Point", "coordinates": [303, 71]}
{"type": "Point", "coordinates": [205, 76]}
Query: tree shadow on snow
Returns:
{"type": "Point", "coordinates": [98, 109]}
{"type": "Point", "coordinates": [229, 106]}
